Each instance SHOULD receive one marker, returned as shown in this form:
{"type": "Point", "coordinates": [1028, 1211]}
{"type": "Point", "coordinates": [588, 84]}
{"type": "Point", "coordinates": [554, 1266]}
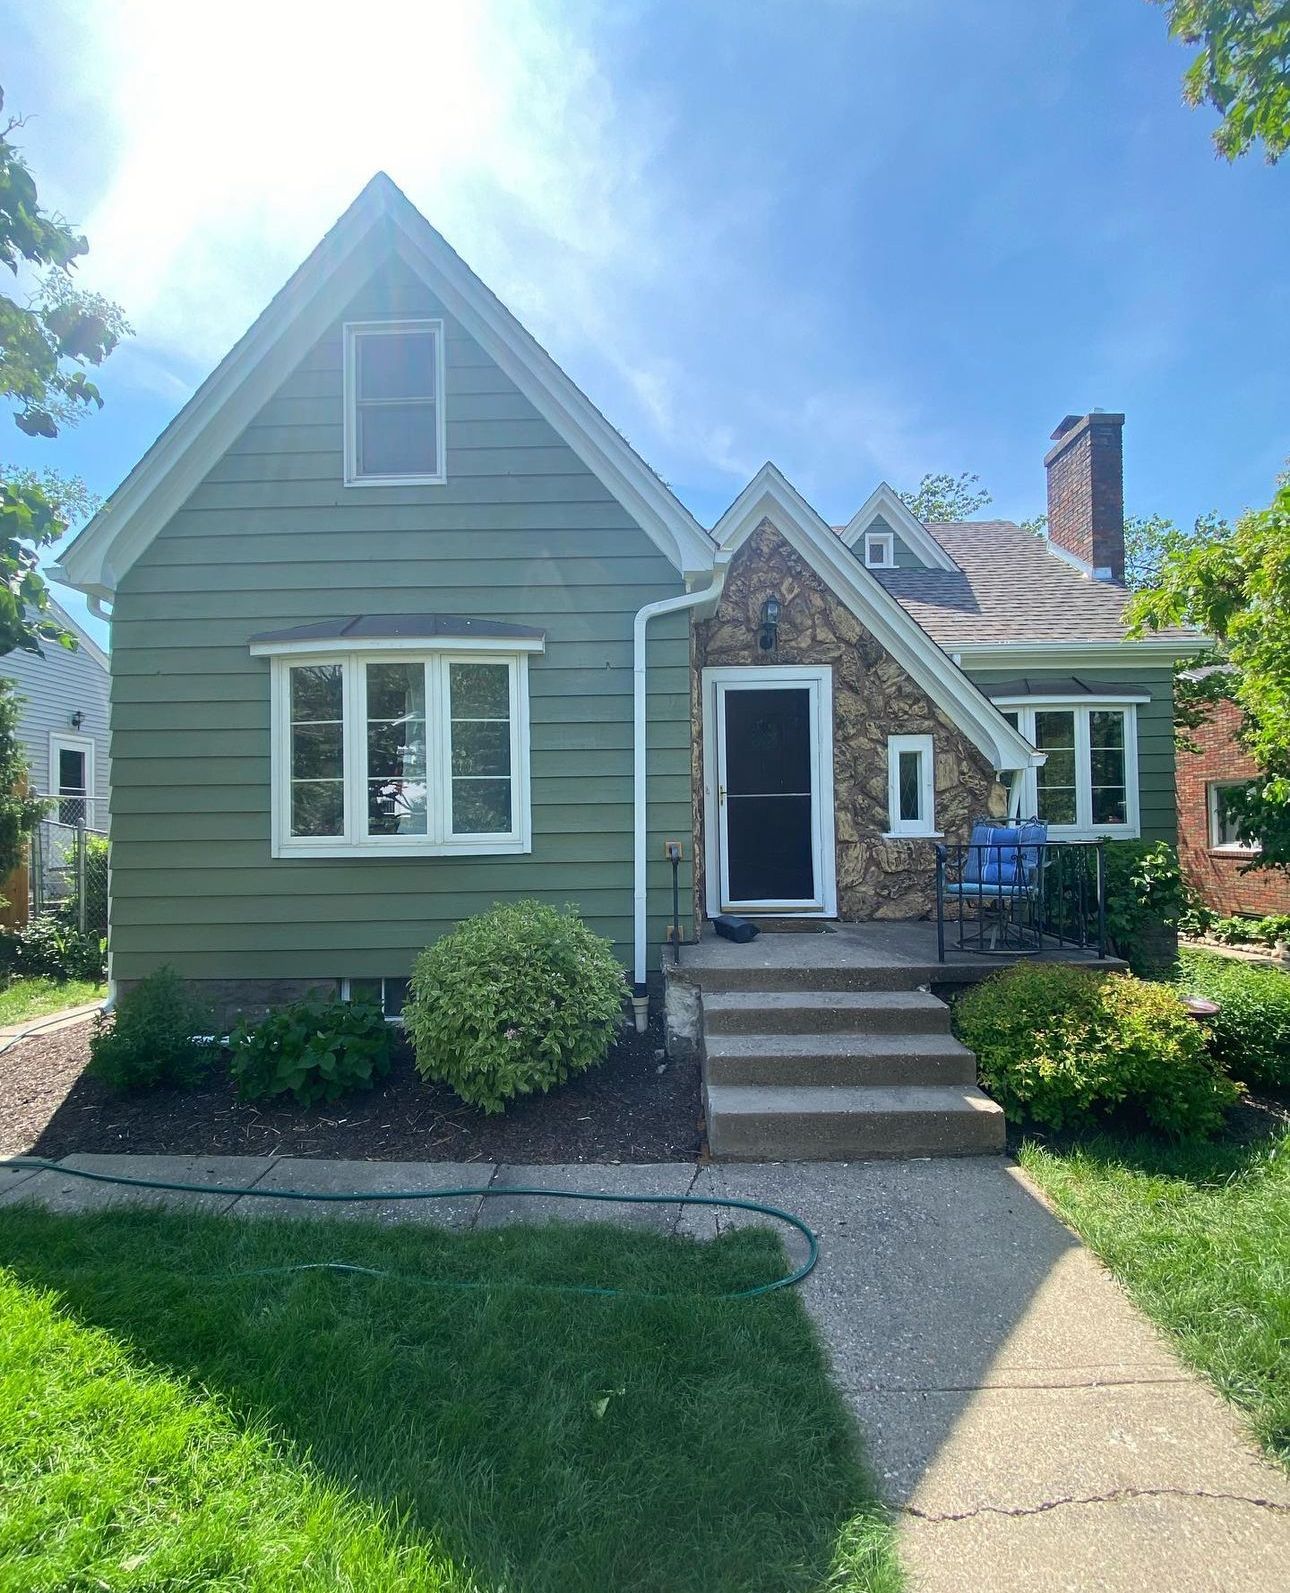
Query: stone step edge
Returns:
{"type": "Point", "coordinates": [848, 1100]}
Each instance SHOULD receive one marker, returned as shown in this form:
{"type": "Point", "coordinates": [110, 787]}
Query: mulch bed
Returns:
{"type": "Point", "coordinates": [637, 1106]}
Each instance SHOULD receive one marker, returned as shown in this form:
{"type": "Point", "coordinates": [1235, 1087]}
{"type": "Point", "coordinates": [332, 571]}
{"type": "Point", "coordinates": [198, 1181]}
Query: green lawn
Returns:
{"type": "Point", "coordinates": [166, 1424]}
{"type": "Point", "coordinates": [1200, 1236]}
{"type": "Point", "coordinates": [22, 999]}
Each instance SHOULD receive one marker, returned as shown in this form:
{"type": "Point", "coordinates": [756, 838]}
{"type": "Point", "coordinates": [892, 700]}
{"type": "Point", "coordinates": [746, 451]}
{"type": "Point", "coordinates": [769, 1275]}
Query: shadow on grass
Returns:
{"type": "Point", "coordinates": [544, 1440]}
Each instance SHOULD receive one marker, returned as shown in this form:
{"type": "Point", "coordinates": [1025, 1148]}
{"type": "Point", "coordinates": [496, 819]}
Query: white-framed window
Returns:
{"type": "Point", "coordinates": [1088, 783]}
{"type": "Point", "coordinates": [387, 994]}
{"type": "Point", "coordinates": [879, 549]}
{"type": "Point", "coordinates": [71, 777]}
{"type": "Point", "coordinates": [400, 753]}
{"type": "Point", "coordinates": [1223, 836]}
{"type": "Point", "coordinates": [911, 786]}
{"type": "Point", "coordinates": [394, 419]}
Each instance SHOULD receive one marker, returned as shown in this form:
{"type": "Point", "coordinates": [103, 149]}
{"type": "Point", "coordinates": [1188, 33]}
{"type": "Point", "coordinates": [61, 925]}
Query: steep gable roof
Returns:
{"type": "Point", "coordinates": [770, 496]}
{"type": "Point", "coordinates": [298, 314]}
{"type": "Point", "coordinates": [885, 503]}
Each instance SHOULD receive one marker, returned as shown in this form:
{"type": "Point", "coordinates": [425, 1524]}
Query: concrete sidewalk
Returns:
{"type": "Point", "coordinates": [1030, 1427]}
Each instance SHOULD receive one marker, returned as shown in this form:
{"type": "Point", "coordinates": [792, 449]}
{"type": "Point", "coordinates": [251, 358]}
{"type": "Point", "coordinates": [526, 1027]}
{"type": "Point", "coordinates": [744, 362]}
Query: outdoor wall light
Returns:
{"type": "Point", "coordinates": [78, 719]}
{"type": "Point", "coordinates": [769, 637]}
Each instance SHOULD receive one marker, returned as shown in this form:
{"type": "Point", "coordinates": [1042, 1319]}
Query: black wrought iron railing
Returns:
{"type": "Point", "coordinates": [1011, 898]}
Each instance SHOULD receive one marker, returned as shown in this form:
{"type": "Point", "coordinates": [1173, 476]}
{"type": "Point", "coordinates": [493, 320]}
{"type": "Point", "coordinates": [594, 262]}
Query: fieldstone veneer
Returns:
{"type": "Point", "coordinates": [873, 698]}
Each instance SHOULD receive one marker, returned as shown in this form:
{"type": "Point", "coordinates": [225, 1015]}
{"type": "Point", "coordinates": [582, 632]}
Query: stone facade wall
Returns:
{"type": "Point", "coordinates": [873, 698]}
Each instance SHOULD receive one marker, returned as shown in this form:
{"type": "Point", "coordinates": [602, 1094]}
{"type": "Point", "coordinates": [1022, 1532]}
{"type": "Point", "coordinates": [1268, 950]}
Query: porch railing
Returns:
{"type": "Point", "coordinates": [1016, 900]}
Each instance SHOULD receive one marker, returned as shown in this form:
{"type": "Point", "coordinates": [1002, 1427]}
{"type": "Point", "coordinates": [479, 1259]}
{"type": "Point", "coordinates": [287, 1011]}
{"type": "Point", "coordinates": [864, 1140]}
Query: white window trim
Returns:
{"type": "Point", "coordinates": [925, 827]}
{"type": "Point", "coordinates": [884, 540]}
{"type": "Point", "coordinates": [347, 994]}
{"type": "Point", "coordinates": [1224, 848]}
{"type": "Point", "coordinates": [73, 742]}
{"type": "Point", "coordinates": [353, 330]}
{"type": "Point", "coordinates": [439, 842]}
{"type": "Point", "coordinates": [1083, 829]}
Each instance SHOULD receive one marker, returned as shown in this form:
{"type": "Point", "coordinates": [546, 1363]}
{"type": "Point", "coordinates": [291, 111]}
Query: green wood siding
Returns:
{"type": "Point", "coordinates": [522, 531]}
{"type": "Point", "coordinates": [903, 555]}
{"type": "Point", "coordinates": [1158, 810]}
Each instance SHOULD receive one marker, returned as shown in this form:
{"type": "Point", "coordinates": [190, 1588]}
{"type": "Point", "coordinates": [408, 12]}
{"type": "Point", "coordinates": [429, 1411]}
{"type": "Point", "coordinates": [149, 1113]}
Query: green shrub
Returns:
{"type": "Point", "coordinates": [1064, 1047]}
{"type": "Point", "coordinates": [1145, 898]}
{"type": "Point", "coordinates": [318, 1049]}
{"type": "Point", "coordinates": [1238, 931]}
{"type": "Point", "coordinates": [1252, 1029]}
{"type": "Point", "coordinates": [154, 1036]}
{"type": "Point", "coordinates": [512, 1001]}
{"type": "Point", "coordinates": [52, 947]}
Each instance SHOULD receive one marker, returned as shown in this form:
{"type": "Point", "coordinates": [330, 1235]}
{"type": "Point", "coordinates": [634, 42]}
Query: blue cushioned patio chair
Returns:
{"type": "Point", "coordinates": [1001, 879]}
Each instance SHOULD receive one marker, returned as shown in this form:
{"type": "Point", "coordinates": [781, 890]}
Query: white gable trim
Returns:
{"type": "Point", "coordinates": [769, 496]}
{"type": "Point", "coordinates": [885, 501]}
{"type": "Point", "coordinates": [85, 641]}
{"type": "Point", "coordinates": [311, 300]}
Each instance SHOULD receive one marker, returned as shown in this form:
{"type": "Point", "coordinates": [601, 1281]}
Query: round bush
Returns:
{"type": "Point", "coordinates": [515, 1000]}
{"type": "Point", "coordinates": [1064, 1047]}
{"type": "Point", "coordinates": [1252, 1029]}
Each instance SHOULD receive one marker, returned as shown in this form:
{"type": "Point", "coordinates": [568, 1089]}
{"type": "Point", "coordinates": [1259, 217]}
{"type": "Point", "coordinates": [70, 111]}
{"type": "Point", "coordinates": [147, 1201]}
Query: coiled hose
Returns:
{"type": "Point", "coordinates": [788, 1280]}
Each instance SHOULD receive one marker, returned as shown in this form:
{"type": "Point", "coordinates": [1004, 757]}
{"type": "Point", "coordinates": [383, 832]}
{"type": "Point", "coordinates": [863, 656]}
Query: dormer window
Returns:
{"type": "Point", "coordinates": [394, 432]}
{"type": "Point", "coordinates": [879, 550]}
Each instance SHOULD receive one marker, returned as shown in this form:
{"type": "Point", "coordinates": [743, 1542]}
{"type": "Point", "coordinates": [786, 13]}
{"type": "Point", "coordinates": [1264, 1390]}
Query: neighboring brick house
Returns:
{"type": "Point", "coordinates": [1212, 857]}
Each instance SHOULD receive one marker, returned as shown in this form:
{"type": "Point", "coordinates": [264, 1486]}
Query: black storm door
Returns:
{"type": "Point", "coordinates": [766, 796]}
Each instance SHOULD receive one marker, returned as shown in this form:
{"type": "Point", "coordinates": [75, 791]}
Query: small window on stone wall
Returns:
{"type": "Point", "coordinates": [911, 787]}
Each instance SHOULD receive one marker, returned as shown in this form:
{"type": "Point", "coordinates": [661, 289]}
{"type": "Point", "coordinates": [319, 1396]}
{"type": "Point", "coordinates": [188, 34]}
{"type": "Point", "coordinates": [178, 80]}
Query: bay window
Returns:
{"type": "Point", "coordinates": [1088, 784]}
{"type": "Point", "coordinates": [400, 753]}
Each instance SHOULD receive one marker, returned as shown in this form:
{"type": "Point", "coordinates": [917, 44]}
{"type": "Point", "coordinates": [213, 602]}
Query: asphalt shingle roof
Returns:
{"type": "Point", "coordinates": [1008, 588]}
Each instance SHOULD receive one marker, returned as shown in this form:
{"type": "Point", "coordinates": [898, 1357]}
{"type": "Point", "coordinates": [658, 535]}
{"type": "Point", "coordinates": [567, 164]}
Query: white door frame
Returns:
{"type": "Point", "coordinates": [74, 741]}
{"type": "Point", "coordinates": [819, 678]}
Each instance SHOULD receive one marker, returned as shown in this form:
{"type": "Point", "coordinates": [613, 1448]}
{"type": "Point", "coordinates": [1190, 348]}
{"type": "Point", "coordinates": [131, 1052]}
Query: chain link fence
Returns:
{"type": "Point", "coordinates": [69, 875]}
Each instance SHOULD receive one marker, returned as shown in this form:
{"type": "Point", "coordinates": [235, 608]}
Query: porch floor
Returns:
{"type": "Point", "coordinates": [889, 953]}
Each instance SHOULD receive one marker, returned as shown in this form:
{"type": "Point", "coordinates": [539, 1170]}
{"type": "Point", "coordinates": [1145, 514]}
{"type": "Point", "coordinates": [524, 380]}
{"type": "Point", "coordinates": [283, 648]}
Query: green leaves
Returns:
{"type": "Point", "coordinates": [158, 1034]}
{"type": "Point", "coordinates": [945, 498]}
{"type": "Point", "coordinates": [514, 1000]}
{"type": "Point", "coordinates": [315, 1049]}
{"type": "Point", "coordinates": [1242, 69]}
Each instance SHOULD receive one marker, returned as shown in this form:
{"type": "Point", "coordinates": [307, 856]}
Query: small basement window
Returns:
{"type": "Point", "coordinates": [394, 425]}
{"type": "Point", "coordinates": [911, 786]}
{"type": "Point", "coordinates": [879, 550]}
{"type": "Point", "coordinates": [387, 994]}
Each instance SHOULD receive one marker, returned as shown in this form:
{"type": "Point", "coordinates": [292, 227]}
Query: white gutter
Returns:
{"type": "Point", "coordinates": [667, 605]}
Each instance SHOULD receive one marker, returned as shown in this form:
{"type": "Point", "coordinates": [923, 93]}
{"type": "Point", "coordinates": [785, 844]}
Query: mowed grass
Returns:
{"type": "Point", "coordinates": [166, 1424]}
{"type": "Point", "coordinates": [1200, 1236]}
{"type": "Point", "coordinates": [37, 997]}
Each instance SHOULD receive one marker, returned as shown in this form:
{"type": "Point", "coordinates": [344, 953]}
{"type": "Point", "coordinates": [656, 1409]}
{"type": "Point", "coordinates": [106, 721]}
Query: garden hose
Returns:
{"type": "Point", "coordinates": [789, 1279]}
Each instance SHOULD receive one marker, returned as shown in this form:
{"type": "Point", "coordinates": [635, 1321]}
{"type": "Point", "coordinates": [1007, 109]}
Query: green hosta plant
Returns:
{"type": "Point", "coordinates": [515, 1000]}
{"type": "Point", "coordinates": [315, 1049]}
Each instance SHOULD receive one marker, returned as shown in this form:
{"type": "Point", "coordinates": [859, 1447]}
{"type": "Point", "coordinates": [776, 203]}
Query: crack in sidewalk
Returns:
{"type": "Point", "coordinates": [1115, 1496]}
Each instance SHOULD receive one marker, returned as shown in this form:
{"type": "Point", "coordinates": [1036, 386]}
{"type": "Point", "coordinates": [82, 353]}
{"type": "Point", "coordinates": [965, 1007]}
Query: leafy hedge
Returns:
{"type": "Point", "coordinates": [1064, 1047]}
{"type": "Point", "coordinates": [54, 947]}
{"type": "Point", "coordinates": [1237, 931]}
{"type": "Point", "coordinates": [316, 1049]}
{"type": "Point", "coordinates": [1252, 1029]}
{"type": "Point", "coordinates": [1145, 899]}
{"type": "Point", "coordinates": [515, 1000]}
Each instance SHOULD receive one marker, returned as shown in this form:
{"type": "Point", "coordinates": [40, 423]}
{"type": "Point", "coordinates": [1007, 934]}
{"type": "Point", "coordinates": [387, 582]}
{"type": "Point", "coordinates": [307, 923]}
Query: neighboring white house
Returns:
{"type": "Point", "coordinates": [64, 724]}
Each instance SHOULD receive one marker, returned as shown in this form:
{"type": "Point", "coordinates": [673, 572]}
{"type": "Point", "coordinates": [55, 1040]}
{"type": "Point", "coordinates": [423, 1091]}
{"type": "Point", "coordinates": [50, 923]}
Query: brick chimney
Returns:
{"type": "Point", "coordinates": [1086, 492]}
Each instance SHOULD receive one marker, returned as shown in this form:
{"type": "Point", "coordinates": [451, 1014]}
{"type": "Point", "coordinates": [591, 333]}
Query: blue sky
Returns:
{"type": "Point", "coordinates": [863, 238]}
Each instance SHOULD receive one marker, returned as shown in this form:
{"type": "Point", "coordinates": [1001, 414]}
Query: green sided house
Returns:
{"type": "Point", "coordinates": [401, 625]}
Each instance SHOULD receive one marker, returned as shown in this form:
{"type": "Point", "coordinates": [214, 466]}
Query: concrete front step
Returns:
{"type": "Point", "coordinates": [827, 976]}
{"type": "Point", "coordinates": [881, 1058]}
{"type": "Point", "coordinates": [751, 1122]}
{"type": "Point", "coordinates": [824, 1012]}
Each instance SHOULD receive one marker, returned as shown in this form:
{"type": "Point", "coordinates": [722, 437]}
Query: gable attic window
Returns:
{"type": "Point", "coordinates": [393, 396]}
{"type": "Point", "coordinates": [879, 550]}
{"type": "Point", "coordinates": [400, 745]}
